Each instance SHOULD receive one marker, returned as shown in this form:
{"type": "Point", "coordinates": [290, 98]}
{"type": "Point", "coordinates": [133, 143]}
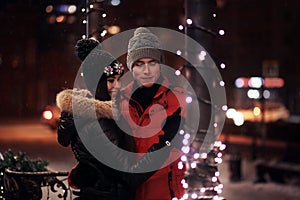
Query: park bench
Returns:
{"type": "Point", "coordinates": [285, 171]}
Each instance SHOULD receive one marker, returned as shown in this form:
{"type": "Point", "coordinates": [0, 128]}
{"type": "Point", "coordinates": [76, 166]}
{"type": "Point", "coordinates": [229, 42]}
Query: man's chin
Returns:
{"type": "Point", "coordinates": [147, 85]}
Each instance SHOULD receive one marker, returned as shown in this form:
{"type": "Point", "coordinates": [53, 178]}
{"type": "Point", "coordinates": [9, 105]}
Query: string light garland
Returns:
{"type": "Point", "coordinates": [94, 7]}
{"type": "Point", "coordinates": [201, 181]}
{"type": "Point", "coordinates": [1, 184]}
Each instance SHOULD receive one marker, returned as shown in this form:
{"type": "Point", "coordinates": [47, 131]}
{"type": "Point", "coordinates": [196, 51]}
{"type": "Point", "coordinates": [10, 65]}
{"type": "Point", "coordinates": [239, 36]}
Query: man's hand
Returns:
{"type": "Point", "coordinates": [171, 128]}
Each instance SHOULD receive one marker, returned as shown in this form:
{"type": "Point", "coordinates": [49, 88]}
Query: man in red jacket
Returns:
{"type": "Point", "coordinates": [145, 103]}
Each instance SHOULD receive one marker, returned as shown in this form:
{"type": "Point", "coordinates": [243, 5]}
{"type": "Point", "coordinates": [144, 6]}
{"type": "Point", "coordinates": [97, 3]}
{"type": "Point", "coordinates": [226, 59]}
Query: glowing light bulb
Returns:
{"type": "Point", "coordinates": [221, 32]}
{"type": "Point", "coordinates": [189, 21]}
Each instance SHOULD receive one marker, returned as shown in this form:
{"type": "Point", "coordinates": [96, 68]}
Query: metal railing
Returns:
{"type": "Point", "coordinates": [34, 185]}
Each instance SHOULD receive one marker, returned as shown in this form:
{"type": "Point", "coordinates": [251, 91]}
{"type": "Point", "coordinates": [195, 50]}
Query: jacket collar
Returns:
{"type": "Point", "coordinates": [85, 105]}
{"type": "Point", "coordinates": [127, 91]}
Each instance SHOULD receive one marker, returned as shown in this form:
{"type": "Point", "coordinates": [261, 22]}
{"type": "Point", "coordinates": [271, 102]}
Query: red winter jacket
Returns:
{"type": "Point", "coordinates": [166, 182]}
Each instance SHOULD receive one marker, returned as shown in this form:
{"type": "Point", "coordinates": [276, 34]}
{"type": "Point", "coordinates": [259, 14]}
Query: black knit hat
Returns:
{"type": "Point", "coordinates": [84, 46]}
{"type": "Point", "coordinates": [96, 62]}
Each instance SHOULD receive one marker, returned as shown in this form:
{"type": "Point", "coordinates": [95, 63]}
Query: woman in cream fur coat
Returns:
{"type": "Point", "coordinates": [94, 179]}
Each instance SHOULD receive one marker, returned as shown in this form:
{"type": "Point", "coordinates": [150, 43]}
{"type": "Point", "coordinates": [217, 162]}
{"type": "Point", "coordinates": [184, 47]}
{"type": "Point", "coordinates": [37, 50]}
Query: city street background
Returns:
{"type": "Point", "coordinates": [39, 141]}
{"type": "Point", "coordinates": [246, 39]}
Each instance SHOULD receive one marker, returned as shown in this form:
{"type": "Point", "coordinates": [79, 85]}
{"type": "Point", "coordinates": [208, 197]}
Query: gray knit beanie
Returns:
{"type": "Point", "coordinates": [143, 44]}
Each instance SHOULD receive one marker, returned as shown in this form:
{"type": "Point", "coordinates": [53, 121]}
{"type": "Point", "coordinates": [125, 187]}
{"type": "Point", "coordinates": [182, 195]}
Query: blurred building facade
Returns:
{"type": "Point", "coordinates": [37, 55]}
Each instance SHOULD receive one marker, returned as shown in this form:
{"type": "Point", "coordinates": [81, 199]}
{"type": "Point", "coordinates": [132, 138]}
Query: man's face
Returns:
{"type": "Point", "coordinates": [146, 71]}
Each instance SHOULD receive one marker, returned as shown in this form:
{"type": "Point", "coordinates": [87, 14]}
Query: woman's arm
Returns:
{"type": "Point", "coordinates": [133, 171]}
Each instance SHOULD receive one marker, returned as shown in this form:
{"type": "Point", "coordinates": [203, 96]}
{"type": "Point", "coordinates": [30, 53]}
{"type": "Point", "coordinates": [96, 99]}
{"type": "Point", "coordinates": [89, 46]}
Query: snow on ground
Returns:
{"type": "Point", "coordinates": [247, 190]}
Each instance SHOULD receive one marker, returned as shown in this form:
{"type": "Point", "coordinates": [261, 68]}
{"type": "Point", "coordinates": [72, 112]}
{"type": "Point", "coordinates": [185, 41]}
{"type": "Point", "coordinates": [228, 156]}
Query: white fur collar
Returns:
{"type": "Point", "coordinates": [85, 105]}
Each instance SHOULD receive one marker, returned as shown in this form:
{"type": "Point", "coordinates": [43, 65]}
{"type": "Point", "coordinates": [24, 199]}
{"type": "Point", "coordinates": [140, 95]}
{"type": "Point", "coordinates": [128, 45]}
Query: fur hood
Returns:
{"type": "Point", "coordinates": [86, 106]}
